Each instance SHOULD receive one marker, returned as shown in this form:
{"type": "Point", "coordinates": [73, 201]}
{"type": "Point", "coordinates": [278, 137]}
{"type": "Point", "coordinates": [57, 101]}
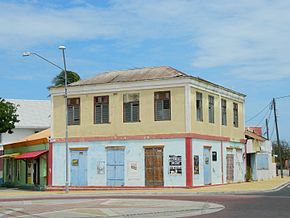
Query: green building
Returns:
{"type": "Point", "coordinates": [26, 162]}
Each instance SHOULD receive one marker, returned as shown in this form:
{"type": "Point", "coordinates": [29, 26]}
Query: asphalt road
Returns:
{"type": "Point", "coordinates": [260, 204]}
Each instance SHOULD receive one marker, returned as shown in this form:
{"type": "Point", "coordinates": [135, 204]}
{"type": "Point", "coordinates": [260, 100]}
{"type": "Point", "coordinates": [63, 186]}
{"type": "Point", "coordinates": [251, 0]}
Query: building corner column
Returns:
{"type": "Point", "coordinates": [188, 157]}
{"type": "Point", "coordinates": [49, 166]}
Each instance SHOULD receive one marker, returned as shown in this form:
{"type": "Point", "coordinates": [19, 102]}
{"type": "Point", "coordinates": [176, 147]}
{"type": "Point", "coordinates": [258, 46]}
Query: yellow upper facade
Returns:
{"type": "Point", "coordinates": [147, 101]}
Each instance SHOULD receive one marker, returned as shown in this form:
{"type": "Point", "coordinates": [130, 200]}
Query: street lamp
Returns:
{"type": "Point", "coordinates": [62, 48]}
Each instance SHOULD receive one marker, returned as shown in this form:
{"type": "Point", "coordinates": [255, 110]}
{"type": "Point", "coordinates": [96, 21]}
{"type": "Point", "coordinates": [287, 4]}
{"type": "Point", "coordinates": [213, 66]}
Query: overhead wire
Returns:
{"type": "Point", "coordinates": [256, 115]}
{"type": "Point", "coordinates": [264, 117]}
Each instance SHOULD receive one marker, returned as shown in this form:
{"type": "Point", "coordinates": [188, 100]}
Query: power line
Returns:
{"type": "Point", "coordinates": [258, 113]}
{"type": "Point", "coordinates": [264, 117]}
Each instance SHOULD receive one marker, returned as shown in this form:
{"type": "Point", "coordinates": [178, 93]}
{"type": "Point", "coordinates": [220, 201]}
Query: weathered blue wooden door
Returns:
{"type": "Point", "coordinates": [78, 170]}
{"type": "Point", "coordinates": [206, 166]}
{"type": "Point", "coordinates": [115, 167]}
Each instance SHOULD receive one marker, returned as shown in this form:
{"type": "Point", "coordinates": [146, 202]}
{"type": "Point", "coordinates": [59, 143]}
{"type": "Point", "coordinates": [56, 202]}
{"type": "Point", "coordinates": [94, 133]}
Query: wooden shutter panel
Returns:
{"type": "Point", "coordinates": [127, 112]}
{"type": "Point", "coordinates": [70, 115]}
{"type": "Point", "coordinates": [98, 111]}
{"type": "Point", "coordinates": [105, 113]}
{"type": "Point", "coordinates": [76, 114]}
{"type": "Point", "coordinates": [135, 112]}
{"type": "Point", "coordinates": [159, 112]}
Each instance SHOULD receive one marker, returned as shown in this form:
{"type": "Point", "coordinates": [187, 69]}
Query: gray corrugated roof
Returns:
{"type": "Point", "coordinates": [142, 74]}
{"type": "Point", "coordinates": [131, 75]}
{"type": "Point", "coordinates": [32, 113]}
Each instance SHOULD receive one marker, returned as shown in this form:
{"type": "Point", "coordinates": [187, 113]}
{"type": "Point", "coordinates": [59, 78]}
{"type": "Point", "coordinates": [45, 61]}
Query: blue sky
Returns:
{"type": "Point", "coordinates": [242, 45]}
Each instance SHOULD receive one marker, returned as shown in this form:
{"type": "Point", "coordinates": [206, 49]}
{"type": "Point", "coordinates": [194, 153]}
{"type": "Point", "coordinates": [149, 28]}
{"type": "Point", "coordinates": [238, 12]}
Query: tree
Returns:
{"type": "Point", "coordinates": [8, 116]}
{"type": "Point", "coordinates": [285, 150]}
{"type": "Point", "coordinates": [71, 77]}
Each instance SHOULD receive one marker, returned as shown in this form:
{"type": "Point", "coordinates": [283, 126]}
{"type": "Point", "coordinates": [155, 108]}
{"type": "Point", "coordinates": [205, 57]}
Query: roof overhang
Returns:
{"type": "Point", "coordinates": [152, 84]}
{"type": "Point", "coordinates": [252, 135]}
{"type": "Point", "coordinates": [13, 155]}
{"type": "Point", "coordinates": [31, 155]}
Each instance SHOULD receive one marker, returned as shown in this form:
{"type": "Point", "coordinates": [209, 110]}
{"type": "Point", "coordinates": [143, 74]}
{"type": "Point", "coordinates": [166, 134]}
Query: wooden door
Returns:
{"type": "Point", "coordinates": [154, 167]}
{"type": "Point", "coordinates": [230, 168]}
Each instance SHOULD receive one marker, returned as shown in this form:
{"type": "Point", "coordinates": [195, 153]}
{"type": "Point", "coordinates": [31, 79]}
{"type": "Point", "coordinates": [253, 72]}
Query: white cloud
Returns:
{"type": "Point", "coordinates": [250, 38]}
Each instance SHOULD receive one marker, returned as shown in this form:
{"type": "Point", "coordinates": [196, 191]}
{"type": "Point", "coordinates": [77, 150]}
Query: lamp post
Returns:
{"type": "Point", "coordinates": [62, 48]}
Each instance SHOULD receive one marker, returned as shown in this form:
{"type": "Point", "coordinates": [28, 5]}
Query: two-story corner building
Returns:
{"type": "Point", "coordinates": [153, 126]}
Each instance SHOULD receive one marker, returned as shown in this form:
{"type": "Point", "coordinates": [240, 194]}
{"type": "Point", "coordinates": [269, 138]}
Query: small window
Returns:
{"type": "Point", "coordinates": [210, 109]}
{"type": "Point", "coordinates": [199, 114]}
{"type": "Point", "coordinates": [214, 156]}
{"type": "Point", "coordinates": [73, 110]}
{"type": "Point", "coordinates": [224, 112]}
{"type": "Point", "coordinates": [131, 107]}
{"type": "Point", "coordinates": [162, 106]}
{"type": "Point", "coordinates": [196, 164]}
{"type": "Point", "coordinates": [101, 109]}
{"type": "Point", "coordinates": [235, 114]}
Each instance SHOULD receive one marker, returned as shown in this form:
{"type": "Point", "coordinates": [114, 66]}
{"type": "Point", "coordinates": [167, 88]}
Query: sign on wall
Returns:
{"type": "Point", "coordinates": [100, 167]}
{"type": "Point", "coordinates": [175, 165]}
{"type": "Point", "coordinates": [133, 169]}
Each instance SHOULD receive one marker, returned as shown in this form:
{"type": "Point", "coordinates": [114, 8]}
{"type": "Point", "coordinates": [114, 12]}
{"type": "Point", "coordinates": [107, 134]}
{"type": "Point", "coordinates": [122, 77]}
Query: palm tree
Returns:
{"type": "Point", "coordinates": [71, 77]}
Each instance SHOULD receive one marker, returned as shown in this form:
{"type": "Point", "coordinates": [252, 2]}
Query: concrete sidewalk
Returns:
{"type": "Point", "coordinates": [235, 188]}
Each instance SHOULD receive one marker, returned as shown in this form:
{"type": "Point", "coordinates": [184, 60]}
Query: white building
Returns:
{"type": "Point", "coordinates": [259, 155]}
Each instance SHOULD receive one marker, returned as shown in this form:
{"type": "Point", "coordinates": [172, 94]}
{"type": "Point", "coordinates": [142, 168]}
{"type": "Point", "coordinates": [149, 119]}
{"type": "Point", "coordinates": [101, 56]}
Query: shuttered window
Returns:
{"type": "Point", "coordinates": [199, 114]}
{"type": "Point", "coordinates": [101, 109]}
{"type": "Point", "coordinates": [224, 112]}
{"type": "Point", "coordinates": [162, 107]}
{"type": "Point", "coordinates": [235, 113]}
{"type": "Point", "coordinates": [210, 109]}
{"type": "Point", "coordinates": [131, 107]}
{"type": "Point", "coordinates": [73, 110]}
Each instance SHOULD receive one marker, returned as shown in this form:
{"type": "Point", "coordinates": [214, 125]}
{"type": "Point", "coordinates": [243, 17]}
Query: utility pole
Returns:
{"type": "Point", "coordinates": [267, 129]}
{"type": "Point", "coordinates": [278, 140]}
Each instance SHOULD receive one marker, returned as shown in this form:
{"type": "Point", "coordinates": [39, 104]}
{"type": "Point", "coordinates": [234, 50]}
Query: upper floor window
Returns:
{"type": "Point", "coordinates": [235, 114]}
{"type": "Point", "coordinates": [210, 109]}
{"type": "Point", "coordinates": [224, 112]}
{"type": "Point", "coordinates": [73, 111]}
{"type": "Point", "coordinates": [162, 106]}
{"type": "Point", "coordinates": [199, 114]}
{"type": "Point", "coordinates": [101, 109]}
{"type": "Point", "coordinates": [131, 107]}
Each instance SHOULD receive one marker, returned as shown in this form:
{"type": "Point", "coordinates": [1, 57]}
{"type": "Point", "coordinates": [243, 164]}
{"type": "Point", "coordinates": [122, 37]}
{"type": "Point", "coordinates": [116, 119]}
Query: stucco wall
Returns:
{"type": "Point", "coordinates": [204, 127]}
{"type": "Point", "coordinates": [197, 149]}
{"type": "Point", "coordinates": [117, 127]}
{"type": "Point", "coordinates": [134, 152]}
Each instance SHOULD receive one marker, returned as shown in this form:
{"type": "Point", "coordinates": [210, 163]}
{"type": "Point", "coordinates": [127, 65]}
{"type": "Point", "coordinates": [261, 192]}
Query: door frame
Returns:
{"type": "Point", "coordinates": [207, 177]}
{"type": "Point", "coordinates": [115, 148]}
{"type": "Point", "coordinates": [228, 168]}
{"type": "Point", "coordinates": [72, 150]}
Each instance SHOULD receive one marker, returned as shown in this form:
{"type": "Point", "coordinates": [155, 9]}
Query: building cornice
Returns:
{"type": "Point", "coordinates": [152, 84]}
{"type": "Point", "coordinates": [145, 137]}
